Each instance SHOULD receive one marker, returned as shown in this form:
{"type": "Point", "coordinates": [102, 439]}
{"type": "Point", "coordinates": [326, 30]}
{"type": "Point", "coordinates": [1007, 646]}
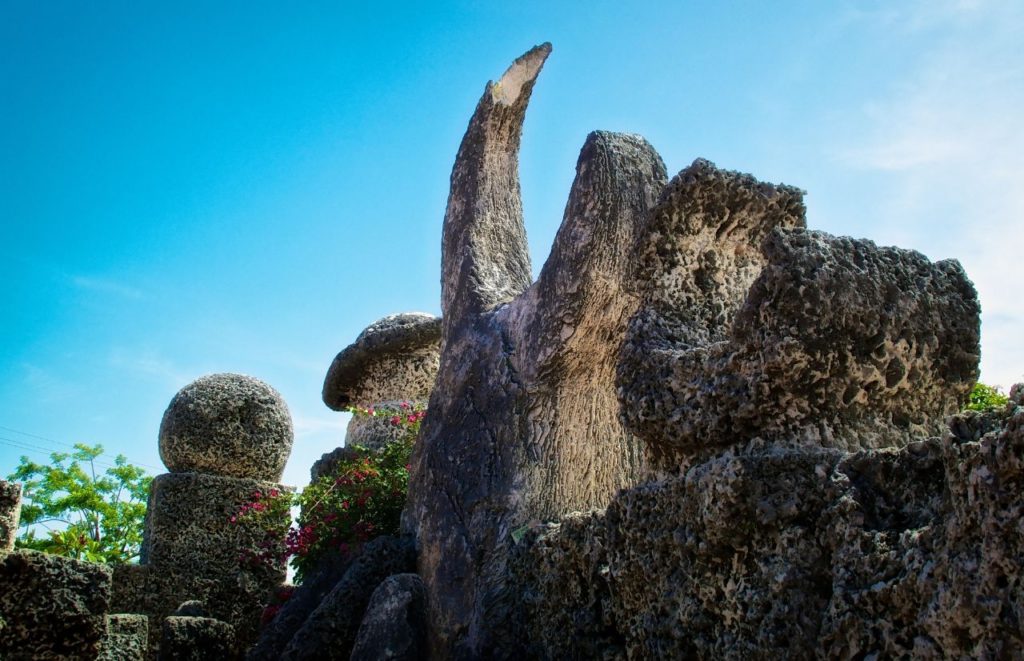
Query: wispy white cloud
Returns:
{"type": "Point", "coordinates": [106, 286]}
{"type": "Point", "coordinates": [151, 363]}
{"type": "Point", "coordinates": [320, 426]}
{"type": "Point", "coordinates": [950, 138]}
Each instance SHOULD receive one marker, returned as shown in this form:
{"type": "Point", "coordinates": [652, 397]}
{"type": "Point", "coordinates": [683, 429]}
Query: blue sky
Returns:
{"type": "Point", "coordinates": [243, 187]}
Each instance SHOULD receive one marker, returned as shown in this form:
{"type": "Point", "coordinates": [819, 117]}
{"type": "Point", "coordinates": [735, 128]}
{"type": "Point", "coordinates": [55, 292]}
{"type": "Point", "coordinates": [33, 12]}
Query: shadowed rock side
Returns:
{"type": "Point", "coordinates": [794, 553]}
{"type": "Point", "coordinates": [753, 329]}
{"type": "Point", "coordinates": [523, 423]}
{"type": "Point", "coordinates": [10, 514]}
{"type": "Point", "coordinates": [394, 358]}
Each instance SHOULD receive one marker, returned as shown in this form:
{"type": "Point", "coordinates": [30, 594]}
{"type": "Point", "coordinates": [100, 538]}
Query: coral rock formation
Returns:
{"type": "Point", "coordinates": [219, 427]}
{"type": "Point", "coordinates": [523, 422]}
{"type": "Point", "coordinates": [10, 513]}
{"type": "Point", "coordinates": [394, 360]}
{"type": "Point", "coordinates": [227, 424]}
{"type": "Point", "coordinates": [747, 353]}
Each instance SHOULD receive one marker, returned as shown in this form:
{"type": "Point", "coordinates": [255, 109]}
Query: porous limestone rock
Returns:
{"type": "Point", "coordinates": [10, 513]}
{"type": "Point", "coordinates": [395, 624]}
{"type": "Point", "coordinates": [330, 631]}
{"type": "Point", "coordinates": [192, 551]}
{"type": "Point", "coordinates": [523, 419]}
{"type": "Point", "coordinates": [127, 638]}
{"type": "Point", "coordinates": [186, 638]}
{"type": "Point", "coordinates": [393, 361]}
{"type": "Point", "coordinates": [739, 330]}
{"type": "Point", "coordinates": [793, 553]}
{"type": "Point", "coordinates": [52, 606]}
{"type": "Point", "coordinates": [751, 328]}
{"type": "Point", "coordinates": [227, 424]}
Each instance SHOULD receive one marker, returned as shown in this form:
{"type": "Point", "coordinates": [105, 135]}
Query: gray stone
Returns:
{"type": "Point", "coordinates": [395, 358]}
{"type": "Point", "coordinates": [10, 513]}
{"type": "Point", "coordinates": [192, 608]}
{"type": "Point", "coordinates": [393, 361]}
{"type": "Point", "coordinates": [793, 553]}
{"type": "Point", "coordinates": [395, 624]}
{"type": "Point", "coordinates": [523, 421]}
{"type": "Point", "coordinates": [227, 424]}
{"type": "Point", "coordinates": [52, 606]}
{"type": "Point", "coordinates": [127, 638]}
{"type": "Point", "coordinates": [330, 631]}
{"type": "Point", "coordinates": [752, 329]}
{"type": "Point", "coordinates": [197, 639]}
{"type": "Point", "coordinates": [192, 551]}
{"type": "Point", "coordinates": [275, 636]}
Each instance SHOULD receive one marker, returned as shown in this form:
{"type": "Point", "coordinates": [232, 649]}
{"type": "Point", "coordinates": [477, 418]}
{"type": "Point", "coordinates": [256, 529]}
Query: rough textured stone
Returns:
{"type": "Point", "coordinates": [809, 339]}
{"type": "Point", "coordinates": [227, 424]}
{"type": "Point", "coordinates": [523, 420]}
{"type": "Point", "coordinates": [190, 551]}
{"type": "Point", "coordinates": [330, 630]}
{"type": "Point", "coordinates": [275, 636]}
{"type": "Point", "coordinates": [126, 638]}
{"type": "Point", "coordinates": [393, 361]}
{"type": "Point", "coordinates": [52, 606]}
{"type": "Point", "coordinates": [794, 553]}
{"type": "Point", "coordinates": [395, 358]}
{"type": "Point", "coordinates": [395, 624]}
{"type": "Point", "coordinates": [10, 513]}
{"type": "Point", "coordinates": [197, 639]}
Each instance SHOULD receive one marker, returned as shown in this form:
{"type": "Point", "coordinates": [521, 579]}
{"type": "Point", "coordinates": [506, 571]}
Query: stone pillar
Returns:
{"type": "Point", "coordinates": [10, 513]}
{"type": "Point", "coordinates": [393, 361]}
{"type": "Point", "coordinates": [225, 438]}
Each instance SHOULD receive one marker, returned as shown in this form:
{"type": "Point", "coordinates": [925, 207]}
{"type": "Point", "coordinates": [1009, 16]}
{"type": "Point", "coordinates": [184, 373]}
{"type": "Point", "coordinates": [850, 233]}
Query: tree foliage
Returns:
{"type": "Point", "coordinates": [88, 516]}
{"type": "Point", "coordinates": [985, 398]}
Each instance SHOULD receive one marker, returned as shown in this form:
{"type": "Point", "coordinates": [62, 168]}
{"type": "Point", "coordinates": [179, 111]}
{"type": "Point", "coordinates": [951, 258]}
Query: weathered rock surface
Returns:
{"type": "Point", "coordinates": [275, 636]}
{"type": "Point", "coordinates": [127, 638]}
{"type": "Point", "coordinates": [191, 552]}
{"type": "Point", "coordinates": [330, 631]}
{"type": "Point", "coordinates": [395, 624]}
{"type": "Point", "coordinates": [229, 425]}
{"type": "Point", "coordinates": [187, 638]}
{"type": "Point", "coordinates": [523, 420]}
{"type": "Point", "coordinates": [394, 360]}
{"type": "Point", "coordinates": [52, 606]}
{"type": "Point", "coordinates": [794, 553]}
{"type": "Point", "coordinates": [10, 513]}
{"type": "Point", "coordinates": [752, 329]}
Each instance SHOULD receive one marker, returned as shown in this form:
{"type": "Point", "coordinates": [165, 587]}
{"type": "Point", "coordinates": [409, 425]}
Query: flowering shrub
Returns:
{"type": "Point", "coordinates": [268, 515]}
{"type": "Point", "coordinates": [360, 499]}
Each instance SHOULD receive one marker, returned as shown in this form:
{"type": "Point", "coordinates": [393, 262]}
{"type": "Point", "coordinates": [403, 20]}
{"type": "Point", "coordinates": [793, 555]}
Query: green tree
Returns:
{"type": "Point", "coordinates": [986, 398]}
{"type": "Point", "coordinates": [88, 516]}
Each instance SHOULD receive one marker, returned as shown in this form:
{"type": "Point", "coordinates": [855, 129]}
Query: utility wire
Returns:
{"type": "Point", "coordinates": [21, 445]}
{"type": "Point", "coordinates": [70, 445]}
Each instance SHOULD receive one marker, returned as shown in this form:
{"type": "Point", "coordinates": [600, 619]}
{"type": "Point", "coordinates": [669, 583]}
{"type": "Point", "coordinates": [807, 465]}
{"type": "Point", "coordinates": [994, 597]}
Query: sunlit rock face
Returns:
{"type": "Point", "coordinates": [690, 331]}
{"type": "Point", "coordinates": [392, 363]}
{"type": "Point", "coordinates": [227, 424]}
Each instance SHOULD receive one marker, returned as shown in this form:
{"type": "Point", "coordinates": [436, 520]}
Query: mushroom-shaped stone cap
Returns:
{"type": "Point", "coordinates": [394, 358]}
{"type": "Point", "coordinates": [227, 424]}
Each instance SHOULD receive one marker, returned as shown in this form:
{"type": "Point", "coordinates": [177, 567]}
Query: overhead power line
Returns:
{"type": "Point", "coordinates": [68, 445]}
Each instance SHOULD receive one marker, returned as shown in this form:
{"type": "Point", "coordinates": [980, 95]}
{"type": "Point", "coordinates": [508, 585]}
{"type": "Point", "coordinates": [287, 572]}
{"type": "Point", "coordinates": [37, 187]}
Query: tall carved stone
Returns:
{"type": "Point", "coordinates": [225, 438]}
{"type": "Point", "coordinates": [523, 423]}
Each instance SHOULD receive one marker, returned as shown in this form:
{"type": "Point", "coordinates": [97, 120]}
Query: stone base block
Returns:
{"type": "Point", "coordinates": [52, 606]}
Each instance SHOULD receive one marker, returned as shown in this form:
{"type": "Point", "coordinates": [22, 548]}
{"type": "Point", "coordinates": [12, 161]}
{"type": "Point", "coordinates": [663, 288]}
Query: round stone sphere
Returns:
{"type": "Point", "coordinates": [227, 424]}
